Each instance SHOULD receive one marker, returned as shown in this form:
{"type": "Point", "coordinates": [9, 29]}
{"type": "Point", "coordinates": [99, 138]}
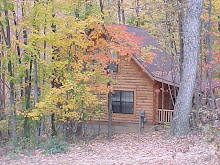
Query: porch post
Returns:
{"type": "Point", "coordinates": [156, 101]}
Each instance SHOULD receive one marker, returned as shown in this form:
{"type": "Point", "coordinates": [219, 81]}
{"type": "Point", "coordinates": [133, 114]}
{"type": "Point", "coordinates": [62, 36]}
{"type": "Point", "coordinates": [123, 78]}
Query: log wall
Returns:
{"type": "Point", "coordinates": [130, 77]}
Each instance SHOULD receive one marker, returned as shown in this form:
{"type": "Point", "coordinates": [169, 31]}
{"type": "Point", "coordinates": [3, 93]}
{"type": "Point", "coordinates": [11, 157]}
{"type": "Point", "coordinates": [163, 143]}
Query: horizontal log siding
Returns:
{"type": "Point", "coordinates": [130, 77]}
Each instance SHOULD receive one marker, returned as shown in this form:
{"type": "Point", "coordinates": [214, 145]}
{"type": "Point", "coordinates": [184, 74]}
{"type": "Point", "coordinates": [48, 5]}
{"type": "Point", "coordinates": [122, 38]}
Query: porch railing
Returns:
{"type": "Point", "coordinates": [165, 116]}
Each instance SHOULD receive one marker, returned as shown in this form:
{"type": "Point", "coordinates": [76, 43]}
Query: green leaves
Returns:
{"type": "Point", "coordinates": [54, 145]}
{"type": "Point", "coordinates": [6, 5]}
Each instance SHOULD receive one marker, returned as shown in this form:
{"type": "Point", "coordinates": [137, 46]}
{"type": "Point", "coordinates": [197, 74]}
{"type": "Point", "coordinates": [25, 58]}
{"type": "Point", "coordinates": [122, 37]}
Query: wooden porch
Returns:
{"type": "Point", "coordinates": [164, 116]}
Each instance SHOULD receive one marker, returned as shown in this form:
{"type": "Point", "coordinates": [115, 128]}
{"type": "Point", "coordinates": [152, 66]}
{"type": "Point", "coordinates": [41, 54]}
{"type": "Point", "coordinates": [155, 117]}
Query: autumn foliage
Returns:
{"type": "Point", "coordinates": [58, 63]}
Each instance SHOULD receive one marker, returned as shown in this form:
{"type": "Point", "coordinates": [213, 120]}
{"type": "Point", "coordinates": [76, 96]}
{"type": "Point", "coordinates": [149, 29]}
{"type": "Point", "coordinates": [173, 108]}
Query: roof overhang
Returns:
{"type": "Point", "coordinates": [150, 75]}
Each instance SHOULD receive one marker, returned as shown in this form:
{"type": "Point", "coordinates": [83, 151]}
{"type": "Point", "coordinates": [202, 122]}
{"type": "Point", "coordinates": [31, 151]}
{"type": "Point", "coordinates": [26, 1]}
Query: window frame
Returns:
{"type": "Point", "coordinates": [113, 65]}
{"type": "Point", "coordinates": [121, 102]}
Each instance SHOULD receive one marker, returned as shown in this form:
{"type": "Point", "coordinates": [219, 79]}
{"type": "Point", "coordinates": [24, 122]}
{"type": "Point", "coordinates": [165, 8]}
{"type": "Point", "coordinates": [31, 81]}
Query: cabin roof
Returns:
{"type": "Point", "coordinates": [163, 67]}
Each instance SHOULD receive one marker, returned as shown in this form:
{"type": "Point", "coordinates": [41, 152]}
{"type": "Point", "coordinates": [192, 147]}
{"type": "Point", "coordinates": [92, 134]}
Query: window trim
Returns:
{"type": "Point", "coordinates": [134, 100]}
{"type": "Point", "coordinates": [114, 63]}
{"type": "Point", "coordinates": [114, 68]}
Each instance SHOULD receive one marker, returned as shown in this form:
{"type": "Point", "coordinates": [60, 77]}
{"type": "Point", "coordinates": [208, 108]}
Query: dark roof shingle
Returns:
{"type": "Point", "coordinates": [162, 63]}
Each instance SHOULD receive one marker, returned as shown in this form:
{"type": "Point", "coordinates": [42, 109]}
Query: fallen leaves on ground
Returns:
{"type": "Point", "coordinates": [152, 148]}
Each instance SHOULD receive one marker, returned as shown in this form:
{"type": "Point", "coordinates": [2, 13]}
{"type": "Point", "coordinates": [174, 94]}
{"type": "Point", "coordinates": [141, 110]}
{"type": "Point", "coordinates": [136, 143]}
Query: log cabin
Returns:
{"type": "Point", "coordinates": [144, 86]}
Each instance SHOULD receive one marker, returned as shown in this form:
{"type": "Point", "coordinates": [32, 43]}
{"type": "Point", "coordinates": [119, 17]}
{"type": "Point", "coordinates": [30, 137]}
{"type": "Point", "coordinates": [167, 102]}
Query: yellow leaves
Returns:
{"type": "Point", "coordinates": [34, 114]}
{"type": "Point", "coordinates": [70, 105]}
{"type": "Point", "coordinates": [93, 20]}
{"type": "Point", "coordinates": [68, 100]}
{"type": "Point", "coordinates": [69, 114]}
{"type": "Point", "coordinates": [56, 33]}
{"type": "Point", "coordinates": [61, 45]}
{"type": "Point", "coordinates": [3, 124]}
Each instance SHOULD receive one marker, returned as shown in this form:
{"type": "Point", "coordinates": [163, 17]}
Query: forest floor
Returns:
{"type": "Point", "coordinates": [151, 148]}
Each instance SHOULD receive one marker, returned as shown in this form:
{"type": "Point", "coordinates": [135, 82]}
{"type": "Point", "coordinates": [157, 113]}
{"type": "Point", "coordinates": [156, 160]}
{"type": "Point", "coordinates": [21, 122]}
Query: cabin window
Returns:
{"type": "Point", "coordinates": [123, 102]}
{"type": "Point", "coordinates": [113, 65]}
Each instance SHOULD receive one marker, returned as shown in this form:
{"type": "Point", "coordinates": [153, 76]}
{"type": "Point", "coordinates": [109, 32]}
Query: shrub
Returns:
{"type": "Point", "coordinates": [54, 145]}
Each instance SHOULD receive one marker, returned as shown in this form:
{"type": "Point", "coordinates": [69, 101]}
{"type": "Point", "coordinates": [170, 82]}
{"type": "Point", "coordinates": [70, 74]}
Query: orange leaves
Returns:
{"type": "Point", "coordinates": [126, 42]}
{"type": "Point", "coordinates": [110, 39]}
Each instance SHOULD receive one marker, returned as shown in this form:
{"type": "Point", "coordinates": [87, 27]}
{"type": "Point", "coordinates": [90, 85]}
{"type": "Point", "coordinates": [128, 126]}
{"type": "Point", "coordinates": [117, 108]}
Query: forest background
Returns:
{"type": "Point", "coordinates": [53, 52]}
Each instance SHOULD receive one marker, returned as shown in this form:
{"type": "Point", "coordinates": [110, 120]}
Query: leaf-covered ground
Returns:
{"type": "Point", "coordinates": [151, 148]}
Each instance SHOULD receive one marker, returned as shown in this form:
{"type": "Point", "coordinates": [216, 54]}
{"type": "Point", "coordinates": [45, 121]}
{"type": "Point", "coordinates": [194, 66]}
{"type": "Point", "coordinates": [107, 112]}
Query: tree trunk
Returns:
{"type": "Point", "coordinates": [110, 115]}
{"type": "Point", "coordinates": [137, 13]}
{"type": "Point", "coordinates": [191, 49]}
{"type": "Point", "coordinates": [122, 12]}
{"type": "Point", "coordinates": [181, 19]}
{"type": "Point", "coordinates": [7, 38]}
{"type": "Point", "coordinates": [106, 36]}
{"type": "Point", "coordinates": [26, 78]}
{"type": "Point", "coordinates": [53, 127]}
{"type": "Point", "coordinates": [197, 100]}
{"type": "Point", "coordinates": [41, 126]}
{"type": "Point", "coordinates": [1, 84]}
{"type": "Point", "coordinates": [12, 103]}
{"type": "Point", "coordinates": [101, 5]}
{"type": "Point", "coordinates": [28, 98]}
{"type": "Point", "coordinates": [37, 131]}
{"type": "Point", "coordinates": [209, 62]}
{"type": "Point", "coordinates": [119, 11]}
